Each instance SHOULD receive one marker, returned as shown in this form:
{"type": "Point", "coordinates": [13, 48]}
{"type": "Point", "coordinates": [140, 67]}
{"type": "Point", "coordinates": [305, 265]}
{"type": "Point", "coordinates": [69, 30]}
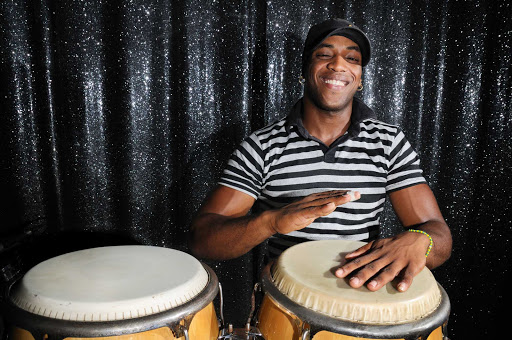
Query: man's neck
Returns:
{"type": "Point", "coordinates": [327, 126]}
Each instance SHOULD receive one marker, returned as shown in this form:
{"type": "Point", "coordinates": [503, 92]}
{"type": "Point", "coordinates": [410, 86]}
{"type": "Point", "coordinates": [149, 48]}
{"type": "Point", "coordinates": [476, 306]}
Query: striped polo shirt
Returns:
{"type": "Point", "coordinates": [282, 163]}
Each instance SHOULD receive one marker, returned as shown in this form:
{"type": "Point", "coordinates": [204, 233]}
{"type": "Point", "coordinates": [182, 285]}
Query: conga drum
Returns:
{"type": "Point", "coordinates": [120, 292]}
{"type": "Point", "coordinates": [305, 300]}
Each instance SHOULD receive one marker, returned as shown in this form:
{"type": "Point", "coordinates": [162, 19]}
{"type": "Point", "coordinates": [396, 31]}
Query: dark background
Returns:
{"type": "Point", "coordinates": [117, 118]}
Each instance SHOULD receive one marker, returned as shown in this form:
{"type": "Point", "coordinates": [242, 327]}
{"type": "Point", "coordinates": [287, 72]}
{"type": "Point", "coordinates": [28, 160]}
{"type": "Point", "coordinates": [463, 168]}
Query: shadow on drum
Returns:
{"type": "Point", "coordinates": [341, 259]}
{"type": "Point", "coordinates": [331, 273]}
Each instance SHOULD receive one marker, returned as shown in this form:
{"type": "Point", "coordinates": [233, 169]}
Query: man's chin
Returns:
{"type": "Point", "coordinates": [330, 107]}
{"type": "Point", "coordinates": [328, 103]}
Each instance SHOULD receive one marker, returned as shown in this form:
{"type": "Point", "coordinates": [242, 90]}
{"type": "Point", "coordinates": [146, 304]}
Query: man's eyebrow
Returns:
{"type": "Point", "coordinates": [351, 47]}
{"type": "Point", "coordinates": [325, 45]}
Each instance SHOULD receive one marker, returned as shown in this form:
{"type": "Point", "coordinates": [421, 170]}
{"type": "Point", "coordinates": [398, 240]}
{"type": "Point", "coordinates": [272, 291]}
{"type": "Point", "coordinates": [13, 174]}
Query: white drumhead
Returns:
{"type": "Point", "coordinates": [110, 283]}
{"type": "Point", "coordinates": [305, 273]}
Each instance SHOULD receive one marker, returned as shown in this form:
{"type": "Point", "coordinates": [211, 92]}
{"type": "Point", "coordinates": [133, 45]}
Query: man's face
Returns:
{"type": "Point", "coordinates": [334, 73]}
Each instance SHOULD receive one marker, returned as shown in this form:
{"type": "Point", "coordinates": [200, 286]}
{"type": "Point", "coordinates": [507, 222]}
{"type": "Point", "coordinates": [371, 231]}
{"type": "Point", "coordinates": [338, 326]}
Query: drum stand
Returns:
{"type": "Point", "coordinates": [248, 332]}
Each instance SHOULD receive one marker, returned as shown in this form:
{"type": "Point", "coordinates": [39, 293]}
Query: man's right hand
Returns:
{"type": "Point", "coordinates": [300, 214]}
{"type": "Point", "coordinates": [223, 230]}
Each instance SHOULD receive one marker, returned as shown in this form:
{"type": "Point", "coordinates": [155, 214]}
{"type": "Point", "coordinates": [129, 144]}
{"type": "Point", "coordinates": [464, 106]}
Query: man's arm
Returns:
{"type": "Point", "coordinates": [403, 255]}
{"type": "Point", "coordinates": [222, 230]}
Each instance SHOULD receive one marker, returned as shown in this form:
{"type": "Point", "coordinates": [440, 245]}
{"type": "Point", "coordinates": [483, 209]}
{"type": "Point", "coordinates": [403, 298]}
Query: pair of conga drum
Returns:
{"type": "Point", "coordinates": [150, 293]}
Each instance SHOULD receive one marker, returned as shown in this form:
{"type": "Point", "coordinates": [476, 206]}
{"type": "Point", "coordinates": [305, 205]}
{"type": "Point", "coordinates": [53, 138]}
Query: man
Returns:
{"type": "Point", "coordinates": [292, 175]}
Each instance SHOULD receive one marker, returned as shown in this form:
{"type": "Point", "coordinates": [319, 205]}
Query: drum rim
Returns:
{"type": "Point", "coordinates": [321, 322]}
{"type": "Point", "coordinates": [38, 324]}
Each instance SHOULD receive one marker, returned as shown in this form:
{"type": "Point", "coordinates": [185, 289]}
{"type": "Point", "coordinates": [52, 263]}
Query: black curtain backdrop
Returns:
{"type": "Point", "coordinates": [117, 118]}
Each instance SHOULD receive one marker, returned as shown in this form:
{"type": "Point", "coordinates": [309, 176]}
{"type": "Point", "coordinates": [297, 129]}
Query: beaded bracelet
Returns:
{"type": "Point", "coordinates": [424, 233]}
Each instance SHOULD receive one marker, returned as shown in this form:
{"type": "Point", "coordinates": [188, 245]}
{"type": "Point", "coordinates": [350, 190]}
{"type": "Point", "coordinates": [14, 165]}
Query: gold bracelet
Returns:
{"type": "Point", "coordinates": [430, 238]}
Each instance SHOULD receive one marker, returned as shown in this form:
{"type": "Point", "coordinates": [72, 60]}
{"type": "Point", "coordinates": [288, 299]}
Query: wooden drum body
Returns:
{"type": "Point", "coordinates": [305, 300]}
{"type": "Point", "coordinates": [122, 292]}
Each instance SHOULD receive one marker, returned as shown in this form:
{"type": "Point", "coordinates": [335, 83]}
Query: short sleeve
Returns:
{"type": "Point", "coordinates": [403, 165]}
{"type": "Point", "coordinates": [244, 171]}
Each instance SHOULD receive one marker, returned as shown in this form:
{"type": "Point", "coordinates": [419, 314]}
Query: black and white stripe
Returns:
{"type": "Point", "coordinates": [277, 165]}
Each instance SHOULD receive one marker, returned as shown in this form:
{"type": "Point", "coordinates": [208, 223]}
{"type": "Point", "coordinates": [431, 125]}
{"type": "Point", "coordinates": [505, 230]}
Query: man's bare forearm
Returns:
{"type": "Point", "coordinates": [220, 237]}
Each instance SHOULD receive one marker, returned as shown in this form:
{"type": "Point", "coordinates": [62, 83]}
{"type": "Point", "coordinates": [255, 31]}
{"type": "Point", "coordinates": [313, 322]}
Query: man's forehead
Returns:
{"type": "Point", "coordinates": [335, 40]}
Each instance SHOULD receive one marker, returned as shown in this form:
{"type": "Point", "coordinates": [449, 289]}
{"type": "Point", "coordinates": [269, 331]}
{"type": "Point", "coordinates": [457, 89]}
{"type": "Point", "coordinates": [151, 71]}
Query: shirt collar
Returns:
{"type": "Point", "coordinates": [360, 112]}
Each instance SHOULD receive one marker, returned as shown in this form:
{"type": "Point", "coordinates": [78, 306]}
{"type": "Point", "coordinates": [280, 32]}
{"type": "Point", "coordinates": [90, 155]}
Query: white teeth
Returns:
{"type": "Point", "coordinates": [335, 82]}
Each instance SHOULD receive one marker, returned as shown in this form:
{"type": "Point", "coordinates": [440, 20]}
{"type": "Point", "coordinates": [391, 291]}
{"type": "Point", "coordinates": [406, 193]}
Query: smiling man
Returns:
{"type": "Point", "coordinates": [324, 172]}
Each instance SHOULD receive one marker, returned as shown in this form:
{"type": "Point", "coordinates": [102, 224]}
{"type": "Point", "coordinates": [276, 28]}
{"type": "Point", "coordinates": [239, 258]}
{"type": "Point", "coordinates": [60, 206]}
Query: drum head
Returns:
{"type": "Point", "coordinates": [110, 283]}
{"type": "Point", "coordinates": [305, 274]}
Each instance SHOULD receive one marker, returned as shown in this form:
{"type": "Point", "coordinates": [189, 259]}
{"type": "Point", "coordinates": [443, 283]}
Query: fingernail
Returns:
{"type": "Point", "coordinates": [354, 280]}
{"type": "Point", "coordinates": [401, 286]}
{"type": "Point", "coordinates": [339, 272]}
{"type": "Point", "coordinates": [372, 284]}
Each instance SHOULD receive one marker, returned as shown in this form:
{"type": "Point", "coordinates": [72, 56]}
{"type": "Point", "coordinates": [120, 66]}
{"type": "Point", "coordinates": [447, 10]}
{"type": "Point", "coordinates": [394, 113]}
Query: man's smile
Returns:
{"type": "Point", "coordinates": [336, 81]}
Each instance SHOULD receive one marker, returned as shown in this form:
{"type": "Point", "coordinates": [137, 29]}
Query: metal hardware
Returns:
{"type": "Point", "coordinates": [305, 334]}
{"type": "Point", "coordinates": [221, 298]}
{"type": "Point", "coordinates": [445, 331]}
{"type": "Point", "coordinates": [181, 329]}
{"type": "Point", "coordinates": [255, 290]}
{"type": "Point", "coordinates": [251, 333]}
{"type": "Point", "coordinates": [248, 332]}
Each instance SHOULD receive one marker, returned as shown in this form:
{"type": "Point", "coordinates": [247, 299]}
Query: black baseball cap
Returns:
{"type": "Point", "coordinates": [319, 32]}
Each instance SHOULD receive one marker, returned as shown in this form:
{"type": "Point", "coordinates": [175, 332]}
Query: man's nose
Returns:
{"type": "Point", "coordinates": [338, 64]}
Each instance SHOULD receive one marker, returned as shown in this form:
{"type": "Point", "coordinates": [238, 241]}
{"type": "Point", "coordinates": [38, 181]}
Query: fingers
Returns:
{"type": "Point", "coordinates": [300, 214]}
{"type": "Point", "coordinates": [325, 194]}
{"type": "Point", "coordinates": [376, 274]}
{"type": "Point", "coordinates": [332, 195]}
{"type": "Point", "coordinates": [407, 276]}
{"type": "Point", "coordinates": [367, 272]}
{"type": "Point", "coordinates": [309, 214]}
{"type": "Point", "coordinates": [321, 204]}
{"type": "Point", "coordinates": [387, 274]}
{"type": "Point", "coordinates": [338, 197]}
{"type": "Point", "coordinates": [358, 252]}
{"type": "Point", "coordinates": [375, 264]}
{"type": "Point", "coordinates": [358, 260]}
{"type": "Point", "coordinates": [405, 283]}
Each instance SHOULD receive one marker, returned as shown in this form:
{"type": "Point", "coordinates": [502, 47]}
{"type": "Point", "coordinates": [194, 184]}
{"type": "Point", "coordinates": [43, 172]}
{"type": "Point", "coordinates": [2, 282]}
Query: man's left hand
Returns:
{"type": "Point", "coordinates": [381, 261]}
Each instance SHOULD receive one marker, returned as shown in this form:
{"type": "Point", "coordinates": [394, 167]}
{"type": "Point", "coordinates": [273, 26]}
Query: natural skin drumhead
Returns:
{"type": "Point", "coordinates": [110, 283]}
{"type": "Point", "coordinates": [305, 273]}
